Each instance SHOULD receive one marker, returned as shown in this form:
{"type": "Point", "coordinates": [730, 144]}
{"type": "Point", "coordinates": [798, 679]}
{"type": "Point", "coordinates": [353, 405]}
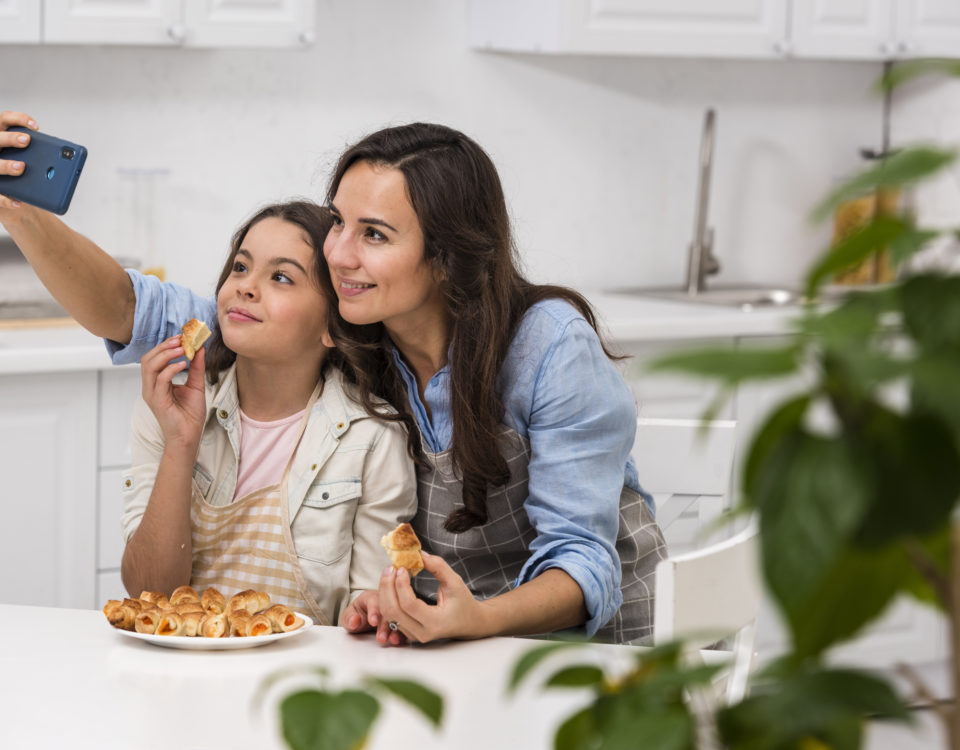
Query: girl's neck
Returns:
{"type": "Point", "coordinates": [268, 391]}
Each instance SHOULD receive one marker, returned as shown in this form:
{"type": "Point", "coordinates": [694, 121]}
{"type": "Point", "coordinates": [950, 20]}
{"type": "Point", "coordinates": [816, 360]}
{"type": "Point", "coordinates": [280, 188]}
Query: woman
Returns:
{"type": "Point", "coordinates": [529, 501]}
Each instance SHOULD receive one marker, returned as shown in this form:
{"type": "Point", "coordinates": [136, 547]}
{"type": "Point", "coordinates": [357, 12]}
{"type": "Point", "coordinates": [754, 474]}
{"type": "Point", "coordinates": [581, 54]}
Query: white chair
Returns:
{"type": "Point", "coordinates": [710, 594]}
{"type": "Point", "coordinates": [686, 465]}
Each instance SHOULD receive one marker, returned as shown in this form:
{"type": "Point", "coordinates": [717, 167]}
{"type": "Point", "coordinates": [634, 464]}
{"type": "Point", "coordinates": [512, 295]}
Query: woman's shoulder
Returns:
{"type": "Point", "coordinates": [546, 323]}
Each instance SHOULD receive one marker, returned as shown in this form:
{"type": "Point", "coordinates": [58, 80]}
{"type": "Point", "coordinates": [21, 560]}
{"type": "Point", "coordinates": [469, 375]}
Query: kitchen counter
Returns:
{"type": "Point", "coordinates": [56, 345]}
{"type": "Point", "coordinates": [70, 680]}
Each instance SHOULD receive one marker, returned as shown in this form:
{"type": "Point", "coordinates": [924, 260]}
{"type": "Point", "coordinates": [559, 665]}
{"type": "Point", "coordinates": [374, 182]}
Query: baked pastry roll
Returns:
{"type": "Point", "coordinates": [156, 598]}
{"type": "Point", "coordinates": [120, 615]}
{"type": "Point", "coordinates": [213, 625]}
{"type": "Point", "coordinates": [259, 625]}
{"type": "Point", "coordinates": [195, 332]}
{"type": "Point", "coordinates": [171, 624]}
{"type": "Point", "coordinates": [250, 600]}
{"type": "Point", "coordinates": [238, 623]}
{"type": "Point", "coordinates": [147, 621]}
{"type": "Point", "coordinates": [213, 601]}
{"type": "Point", "coordinates": [187, 607]}
{"type": "Point", "coordinates": [184, 594]}
{"type": "Point", "coordinates": [403, 547]}
{"type": "Point", "coordinates": [191, 623]}
{"type": "Point", "coordinates": [282, 618]}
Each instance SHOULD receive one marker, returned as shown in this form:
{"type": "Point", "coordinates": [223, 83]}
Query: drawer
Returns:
{"type": "Point", "coordinates": [119, 390]}
{"type": "Point", "coordinates": [110, 542]}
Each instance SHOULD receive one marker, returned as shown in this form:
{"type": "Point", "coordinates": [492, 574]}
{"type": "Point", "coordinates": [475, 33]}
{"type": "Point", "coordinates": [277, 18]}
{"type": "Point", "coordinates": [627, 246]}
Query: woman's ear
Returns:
{"type": "Point", "coordinates": [326, 339]}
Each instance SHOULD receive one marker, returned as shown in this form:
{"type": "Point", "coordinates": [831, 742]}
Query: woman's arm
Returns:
{"type": "Point", "coordinates": [158, 557]}
{"type": "Point", "coordinates": [90, 285]}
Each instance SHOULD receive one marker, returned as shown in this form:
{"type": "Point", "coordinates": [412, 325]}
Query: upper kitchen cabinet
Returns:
{"type": "Point", "coordinates": [19, 21]}
{"type": "Point", "coordinates": [831, 29]}
{"type": "Point", "coordinates": [174, 23]}
{"type": "Point", "coordinates": [875, 29]}
{"type": "Point", "coordinates": [712, 28]}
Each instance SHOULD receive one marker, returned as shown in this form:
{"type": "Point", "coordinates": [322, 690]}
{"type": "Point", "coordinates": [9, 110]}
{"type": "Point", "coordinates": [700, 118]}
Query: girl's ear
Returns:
{"type": "Point", "coordinates": [326, 339]}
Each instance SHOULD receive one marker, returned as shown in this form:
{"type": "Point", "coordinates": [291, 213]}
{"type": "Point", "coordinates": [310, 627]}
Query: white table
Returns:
{"type": "Point", "coordinates": [68, 680]}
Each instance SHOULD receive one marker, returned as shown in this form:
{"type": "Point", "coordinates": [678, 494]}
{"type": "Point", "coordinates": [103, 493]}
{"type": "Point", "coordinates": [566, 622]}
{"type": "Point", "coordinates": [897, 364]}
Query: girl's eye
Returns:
{"type": "Point", "coordinates": [238, 266]}
{"type": "Point", "coordinates": [282, 277]}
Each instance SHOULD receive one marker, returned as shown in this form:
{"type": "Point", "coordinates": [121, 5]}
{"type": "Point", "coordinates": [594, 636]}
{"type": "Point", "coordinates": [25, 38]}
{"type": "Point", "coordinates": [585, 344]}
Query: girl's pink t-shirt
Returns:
{"type": "Point", "coordinates": [265, 449]}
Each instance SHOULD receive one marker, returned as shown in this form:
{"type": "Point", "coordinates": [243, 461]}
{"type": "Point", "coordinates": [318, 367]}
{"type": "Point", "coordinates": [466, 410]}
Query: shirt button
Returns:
{"type": "Point", "coordinates": [325, 495]}
{"type": "Point", "coordinates": [127, 483]}
{"type": "Point", "coordinates": [222, 414]}
{"type": "Point", "coordinates": [339, 425]}
{"type": "Point", "coordinates": [313, 468]}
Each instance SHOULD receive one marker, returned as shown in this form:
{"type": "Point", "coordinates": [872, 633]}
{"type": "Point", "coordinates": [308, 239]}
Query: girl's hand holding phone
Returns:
{"type": "Point", "coordinates": [9, 165]}
{"type": "Point", "coordinates": [180, 409]}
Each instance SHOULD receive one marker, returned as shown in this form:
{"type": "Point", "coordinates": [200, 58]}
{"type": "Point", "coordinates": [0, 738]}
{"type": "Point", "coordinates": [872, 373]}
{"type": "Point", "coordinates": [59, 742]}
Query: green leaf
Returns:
{"type": "Point", "coordinates": [579, 675]}
{"type": "Point", "coordinates": [785, 419]}
{"type": "Point", "coordinates": [853, 592]}
{"type": "Point", "coordinates": [915, 463]}
{"type": "Point", "coordinates": [931, 310]}
{"type": "Point", "coordinates": [911, 242]}
{"type": "Point", "coordinates": [855, 248]}
{"type": "Point", "coordinates": [664, 730]}
{"type": "Point", "coordinates": [422, 698]}
{"type": "Point", "coordinates": [935, 376]}
{"type": "Point", "coordinates": [532, 658]}
{"type": "Point", "coordinates": [906, 166]}
{"type": "Point", "coordinates": [320, 720]}
{"type": "Point", "coordinates": [811, 496]}
{"type": "Point", "coordinates": [731, 365]}
{"type": "Point", "coordinates": [908, 70]}
{"type": "Point", "coordinates": [579, 732]}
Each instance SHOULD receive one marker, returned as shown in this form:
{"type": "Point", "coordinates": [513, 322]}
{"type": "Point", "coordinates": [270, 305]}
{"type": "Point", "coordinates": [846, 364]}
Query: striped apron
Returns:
{"type": "Point", "coordinates": [489, 557]}
{"type": "Point", "coordinates": [247, 544]}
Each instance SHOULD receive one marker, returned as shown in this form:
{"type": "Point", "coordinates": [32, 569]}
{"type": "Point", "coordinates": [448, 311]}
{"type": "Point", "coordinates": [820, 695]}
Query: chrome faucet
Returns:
{"type": "Point", "coordinates": [701, 261]}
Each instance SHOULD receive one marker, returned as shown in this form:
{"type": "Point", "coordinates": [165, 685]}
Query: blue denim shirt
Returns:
{"type": "Point", "coordinates": [560, 392]}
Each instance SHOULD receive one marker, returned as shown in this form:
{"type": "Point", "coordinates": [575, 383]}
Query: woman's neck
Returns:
{"type": "Point", "coordinates": [425, 349]}
{"type": "Point", "coordinates": [268, 392]}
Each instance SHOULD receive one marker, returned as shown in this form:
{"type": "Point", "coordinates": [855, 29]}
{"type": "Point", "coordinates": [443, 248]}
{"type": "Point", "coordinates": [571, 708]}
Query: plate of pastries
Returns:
{"type": "Point", "coordinates": [208, 621]}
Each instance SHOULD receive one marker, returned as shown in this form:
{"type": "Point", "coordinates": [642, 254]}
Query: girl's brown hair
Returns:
{"type": "Point", "coordinates": [357, 353]}
{"type": "Point", "coordinates": [457, 196]}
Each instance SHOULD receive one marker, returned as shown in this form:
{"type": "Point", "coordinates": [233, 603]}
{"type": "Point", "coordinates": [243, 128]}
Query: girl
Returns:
{"type": "Point", "coordinates": [270, 476]}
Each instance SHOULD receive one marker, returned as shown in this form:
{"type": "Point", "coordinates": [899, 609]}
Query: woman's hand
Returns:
{"type": "Point", "coordinates": [180, 409]}
{"type": "Point", "coordinates": [457, 614]}
{"type": "Point", "coordinates": [12, 166]}
{"type": "Point", "coordinates": [363, 615]}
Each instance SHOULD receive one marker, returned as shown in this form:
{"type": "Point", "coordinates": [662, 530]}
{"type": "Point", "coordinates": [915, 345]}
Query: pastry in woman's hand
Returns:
{"type": "Point", "coordinates": [195, 332]}
{"type": "Point", "coordinates": [403, 547]}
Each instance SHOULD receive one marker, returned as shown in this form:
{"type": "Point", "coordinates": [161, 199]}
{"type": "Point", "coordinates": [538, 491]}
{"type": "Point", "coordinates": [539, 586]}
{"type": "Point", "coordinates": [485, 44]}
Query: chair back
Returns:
{"type": "Point", "coordinates": [686, 465]}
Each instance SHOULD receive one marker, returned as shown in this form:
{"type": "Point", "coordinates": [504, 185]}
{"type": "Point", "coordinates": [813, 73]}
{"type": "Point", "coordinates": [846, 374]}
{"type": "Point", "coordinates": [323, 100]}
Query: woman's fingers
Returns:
{"type": "Point", "coordinates": [12, 165]}
{"type": "Point", "coordinates": [9, 119]}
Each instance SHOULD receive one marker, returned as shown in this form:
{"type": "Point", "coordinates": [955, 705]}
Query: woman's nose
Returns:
{"type": "Point", "coordinates": [338, 250]}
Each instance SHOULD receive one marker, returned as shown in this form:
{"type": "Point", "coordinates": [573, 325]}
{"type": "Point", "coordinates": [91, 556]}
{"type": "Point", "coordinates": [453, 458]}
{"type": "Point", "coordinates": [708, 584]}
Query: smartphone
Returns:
{"type": "Point", "coordinates": [52, 169]}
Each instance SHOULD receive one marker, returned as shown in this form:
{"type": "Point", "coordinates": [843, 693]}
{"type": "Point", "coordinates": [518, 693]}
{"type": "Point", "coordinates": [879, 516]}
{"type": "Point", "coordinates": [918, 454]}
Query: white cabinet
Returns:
{"type": "Point", "coordinates": [48, 427]}
{"type": "Point", "coordinates": [187, 23]}
{"type": "Point", "coordinates": [771, 29]}
{"type": "Point", "coordinates": [724, 28]}
{"type": "Point", "coordinates": [19, 21]}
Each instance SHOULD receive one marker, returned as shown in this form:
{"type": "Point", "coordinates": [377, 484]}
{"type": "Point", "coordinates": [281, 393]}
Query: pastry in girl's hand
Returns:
{"type": "Point", "coordinates": [403, 547]}
{"type": "Point", "coordinates": [195, 332]}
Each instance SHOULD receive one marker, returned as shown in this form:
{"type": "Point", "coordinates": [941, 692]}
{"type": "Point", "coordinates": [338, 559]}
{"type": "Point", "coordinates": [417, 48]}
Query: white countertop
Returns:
{"type": "Point", "coordinates": [70, 680]}
{"type": "Point", "coordinates": [62, 345]}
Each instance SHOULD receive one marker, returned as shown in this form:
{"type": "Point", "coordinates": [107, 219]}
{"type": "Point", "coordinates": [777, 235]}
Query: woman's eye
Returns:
{"type": "Point", "coordinates": [337, 221]}
{"type": "Point", "coordinates": [375, 234]}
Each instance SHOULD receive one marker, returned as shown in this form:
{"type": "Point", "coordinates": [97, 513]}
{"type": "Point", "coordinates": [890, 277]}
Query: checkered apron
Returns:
{"type": "Point", "coordinates": [247, 544]}
{"type": "Point", "coordinates": [489, 557]}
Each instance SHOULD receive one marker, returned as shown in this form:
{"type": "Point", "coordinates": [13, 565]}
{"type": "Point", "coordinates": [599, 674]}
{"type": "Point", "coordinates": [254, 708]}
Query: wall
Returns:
{"type": "Point", "coordinates": [598, 155]}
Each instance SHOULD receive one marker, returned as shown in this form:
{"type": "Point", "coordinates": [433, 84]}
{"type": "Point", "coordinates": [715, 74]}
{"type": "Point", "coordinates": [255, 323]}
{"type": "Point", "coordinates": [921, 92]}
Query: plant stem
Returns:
{"type": "Point", "coordinates": [954, 614]}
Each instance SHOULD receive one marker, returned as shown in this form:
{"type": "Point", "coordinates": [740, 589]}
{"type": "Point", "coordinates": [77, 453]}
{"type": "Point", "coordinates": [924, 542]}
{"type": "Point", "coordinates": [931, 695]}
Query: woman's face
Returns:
{"type": "Point", "coordinates": [375, 252]}
{"type": "Point", "coordinates": [270, 307]}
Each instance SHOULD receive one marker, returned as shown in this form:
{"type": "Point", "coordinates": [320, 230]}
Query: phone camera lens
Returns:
{"type": "Point", "coordinates": [66, 152]}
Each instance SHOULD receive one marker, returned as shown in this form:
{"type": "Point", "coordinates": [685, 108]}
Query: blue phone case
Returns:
{"type": "Point", "coordinates": [52, 169]}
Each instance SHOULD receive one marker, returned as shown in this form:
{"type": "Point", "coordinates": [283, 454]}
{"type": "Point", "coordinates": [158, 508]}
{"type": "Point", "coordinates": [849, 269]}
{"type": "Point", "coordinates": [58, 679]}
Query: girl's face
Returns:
{"type": "Point", "coordinates": [270, 308]}
{"type": "Point", "coordinates": [375, 252]}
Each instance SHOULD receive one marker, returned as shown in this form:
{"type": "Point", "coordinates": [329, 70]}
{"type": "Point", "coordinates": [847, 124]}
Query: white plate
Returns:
{"type": "Point", "coordinates": [214, 644]}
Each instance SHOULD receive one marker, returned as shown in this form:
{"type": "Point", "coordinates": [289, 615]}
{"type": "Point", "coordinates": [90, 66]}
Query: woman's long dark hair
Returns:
{"type": "Point", "coordinates": [359, 354]}
{"type": "Point", "coordinates": [457, 196]}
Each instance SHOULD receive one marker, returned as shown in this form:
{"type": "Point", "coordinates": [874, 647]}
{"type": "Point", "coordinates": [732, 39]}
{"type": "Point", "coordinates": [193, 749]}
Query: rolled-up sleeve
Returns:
{"type": "Point", "coordinates": [162, 308]}
{"type": "Point", "coordinates": [581, 429]}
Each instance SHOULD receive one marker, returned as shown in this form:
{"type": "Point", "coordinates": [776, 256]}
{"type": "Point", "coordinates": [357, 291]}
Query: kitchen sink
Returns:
{"type": "Point", "coordinates": [745, 297]}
